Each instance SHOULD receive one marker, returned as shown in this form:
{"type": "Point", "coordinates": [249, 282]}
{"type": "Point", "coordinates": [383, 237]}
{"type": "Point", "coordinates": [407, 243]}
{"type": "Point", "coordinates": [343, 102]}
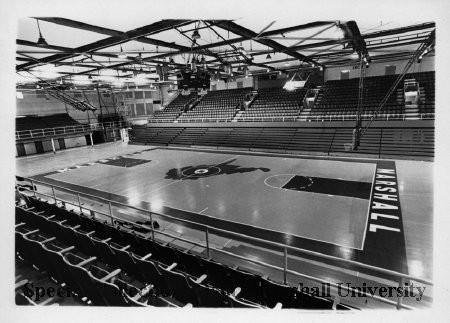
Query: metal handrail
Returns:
{"type": "Point", "coordinates": [34, 133]}
{"type": "Point", "coordinates": [276, 244]}
{"type": "Point", "coordinates": [314, 118]}
{"type": "Point", "coordinates": [385, 117]}
{"type": "Point", "coordinates": [402, 277]}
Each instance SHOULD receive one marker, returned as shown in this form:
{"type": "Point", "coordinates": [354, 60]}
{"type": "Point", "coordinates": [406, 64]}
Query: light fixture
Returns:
{"type": "Point", "coordinates": [268, 70]}
{"type": "Point", "coordinates": [121, 54]}
{"type": "Point", "coordinates": [268, 56]}
{"type": "Point", "coordinates": [41, 41]}
{"type": "Point", "coordinates": [355, 55]}
{"type": "Point", "coordinates": [286, 63]}
{"type": "Point", "coordinates": [195, 35]}
{"type": "Point", "coordinates": [171, 61]}
{"type": "Point", "coordinates": [90, 77]}
{"type": "Point", "coordinates": [203, 61]}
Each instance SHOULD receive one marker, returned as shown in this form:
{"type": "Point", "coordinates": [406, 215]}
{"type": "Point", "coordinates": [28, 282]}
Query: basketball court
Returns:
{"type": "Point", "coordinates": [335, 206]}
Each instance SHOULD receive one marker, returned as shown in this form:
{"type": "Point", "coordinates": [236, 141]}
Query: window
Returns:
{"type": "Point", "coordinates": [345, 75]}
{"type": "Point", "coordinates": [389, 70]}
{"type": "Point", "coordinates": [138, 95]}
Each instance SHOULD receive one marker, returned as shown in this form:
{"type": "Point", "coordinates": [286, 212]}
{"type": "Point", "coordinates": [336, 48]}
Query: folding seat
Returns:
{"type": "Point", "coordinates": [22, 215]}
{"type": "Point", "coordinates": [240, 303]}
{"type": "Point", "coordinates": [126, 261]}
{"type": "Point", "coordinates": [115, 233]}
{"type": "Point", "coordinates": [104, 252]}
{"type": "Point", "coordinates": [32, 246]}
{"type": "Point", "coordinates": [141, 246]}
{"type": "Point", "coordinates": [69, 260]}
{"type": "Point", "coordinates": [278, 293]}
{"type": "Point", "coordinates": [219, 276]}
{"type": "Point", "coordinates": [101, 232]}
{"type": "Point", "coordinates": [68, 234]}
{"type": "Point", "coordinates": [249, 283]}
{"type": "Point", "coordinates": [190, 264]}
{"type": "Point", "coordinates": [111, 294]}
{"type": "Point", "coordinates": [164, 254]}
{"type": "Point", "coordinates": [53, 257]}
{"type": "Point", "coordinates": [83, 276]}
{"type": "Point", "coordinates": [84, 242]}
{"type": "Point", "coordinates": [178, 285]}
{"type": "Point", "coordinates": [86, 223]}
{"type": "Point", "coordinates": [209, 296]}
{"type": "Point", "coordinates": [148, 269]}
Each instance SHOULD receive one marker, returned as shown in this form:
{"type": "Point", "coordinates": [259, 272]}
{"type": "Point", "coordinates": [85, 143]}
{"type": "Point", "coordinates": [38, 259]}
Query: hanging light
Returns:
{"type": "Point", "coordinates": [41, 41]}
{"type": "Point", "coordinates": [171, 61]}
{"type": "Point", "coordinates": [195, 35]}
{"type": "Point", "coordinates": [121, 54]}
{"type": "Point", "coordinates": [90, 77]}
{"type": "Point", "coordinates": [268, 56]}
{"type": "Point", "coordinates": [355, 55]}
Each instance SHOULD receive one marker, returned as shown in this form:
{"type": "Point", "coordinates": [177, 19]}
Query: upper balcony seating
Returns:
{"type": "Point", "coordinates": [44, 122]}
{"type": "Point", "coordinates": [217, 105]}
{"type": "Point", "coordinates": [427, 90]}
{"type": "Point", "coordinates": [276, 103]}
{"type": "Point", "coordinates": [171, 112]}
{"type": "Point", "coordinates": [339, 98]}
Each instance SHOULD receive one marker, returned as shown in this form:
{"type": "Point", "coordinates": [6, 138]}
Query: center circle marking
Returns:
{"type": "Point", "coordinates": [200, 172]}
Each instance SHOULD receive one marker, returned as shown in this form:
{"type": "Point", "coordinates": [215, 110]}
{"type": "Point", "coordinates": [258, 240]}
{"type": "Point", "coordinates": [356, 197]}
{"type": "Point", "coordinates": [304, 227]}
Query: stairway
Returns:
{"type": "Point", "coordinates": [412, 110]}
{"type": "Point", "coordinates": [238, 114]}
{"type": "Point", "coordinates": [304, 113]}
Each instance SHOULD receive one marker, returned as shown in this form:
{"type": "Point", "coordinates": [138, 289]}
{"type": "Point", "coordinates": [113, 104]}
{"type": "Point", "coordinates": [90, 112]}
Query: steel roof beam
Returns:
{"type": "Point", "coordinates": [109, 32]}
{"type": "Point", "coordinates": [114, 40]}
{"type": "Point", "coordinates": [242, 31]}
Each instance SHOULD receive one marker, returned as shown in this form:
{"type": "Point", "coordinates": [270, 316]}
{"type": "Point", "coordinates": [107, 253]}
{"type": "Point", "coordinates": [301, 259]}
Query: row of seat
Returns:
{"type": "Point", "coordinates": [198, 281]}
{"type": "Point", "coordinates": [417, 146]}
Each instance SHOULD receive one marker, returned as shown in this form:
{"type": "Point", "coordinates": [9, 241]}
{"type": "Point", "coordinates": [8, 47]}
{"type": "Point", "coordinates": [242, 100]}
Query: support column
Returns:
{"type": "Point", "coordinates": [92, 141]}
{"type": "Point", "coordinates": [53, 146]}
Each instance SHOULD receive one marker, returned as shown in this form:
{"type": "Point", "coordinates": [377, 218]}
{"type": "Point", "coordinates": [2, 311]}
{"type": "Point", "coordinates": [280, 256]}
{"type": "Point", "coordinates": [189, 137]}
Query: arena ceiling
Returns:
{"type": "Point", "coordinates": [123, 50]}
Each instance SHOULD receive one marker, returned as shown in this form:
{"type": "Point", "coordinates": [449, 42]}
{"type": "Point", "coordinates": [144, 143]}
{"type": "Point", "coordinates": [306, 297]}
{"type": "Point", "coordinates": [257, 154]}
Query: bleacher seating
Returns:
{"type": "Point", "coordinates": [44, 122]}
{"type": "Point", "coordinates": [119, 267]}
{"type": "Point", "coordinates": [171, 112]}
{"type": "Point", "coordinates": [427, 91]}
{"type": "Point", "coordinates": [216, 106]}
{"type": "Point", "coordinates": [340, 97]}
{"type": "Point", "coordinates": [407, 142]}
{"type": "Point", "coordinates": [274, 104]}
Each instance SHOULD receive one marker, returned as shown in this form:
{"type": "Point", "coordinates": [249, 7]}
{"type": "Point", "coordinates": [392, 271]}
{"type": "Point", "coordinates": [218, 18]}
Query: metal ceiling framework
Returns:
{"type": "Point", "coordinates": [311, 49]}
